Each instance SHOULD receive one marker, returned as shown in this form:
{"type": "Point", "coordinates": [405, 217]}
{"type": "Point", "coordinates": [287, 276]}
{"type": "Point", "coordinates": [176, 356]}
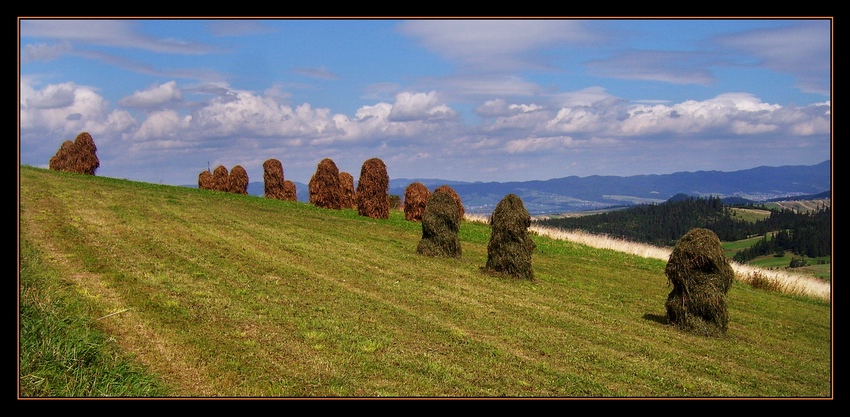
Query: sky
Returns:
{"type": "Point", "coordinates": [455, 99]}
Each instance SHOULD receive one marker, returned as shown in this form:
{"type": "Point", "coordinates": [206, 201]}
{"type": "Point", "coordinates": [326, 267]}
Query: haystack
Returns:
{"type": "Point", "coordinates": [346, 181]}
{"type": "Point", "coordinates": [273, 179]}
{"type": "Point", "coordinates": [85, 161]}
{"type": "Point", "coordinates": [455, 196]}
{"type": "Point", "coordinates": [221, 179]}
{"type": "Point", "coordinates": [290, 193]}
{"type": "Point", "coordinates": [415, 199]}
{"type": "Point", "coordinates": [701, 277]}
{"type": "Point", "coordinates": [205, 180]}
{"type": "Point", "coordinates": [79, 156]}
{"type": "Point", "coordinates": [238, 180]}
{"type": "Point", "coordinates": [440, 227]}
{"type": "Point", "coordinates": [324, 187]}
{"type": "Point", "coordinates": [61, 161]}
{"type": "Point", "coordinates": [372, 196]}
{"type": "Point", "coordinates": [510, 248]}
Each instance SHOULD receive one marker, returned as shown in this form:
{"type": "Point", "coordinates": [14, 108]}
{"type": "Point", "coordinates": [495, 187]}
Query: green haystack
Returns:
{"type": "Point", "coordinates": [510, 248]}
{"type": "Point", "coordinates": [701, 276]}
{"type": "Point", "coordinates": [440, 227]}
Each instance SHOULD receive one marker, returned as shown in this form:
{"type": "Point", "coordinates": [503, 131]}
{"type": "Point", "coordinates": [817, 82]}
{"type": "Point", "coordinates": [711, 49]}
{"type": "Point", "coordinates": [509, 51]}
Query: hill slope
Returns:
{"type": "Point", "coordinates": [227, 295]}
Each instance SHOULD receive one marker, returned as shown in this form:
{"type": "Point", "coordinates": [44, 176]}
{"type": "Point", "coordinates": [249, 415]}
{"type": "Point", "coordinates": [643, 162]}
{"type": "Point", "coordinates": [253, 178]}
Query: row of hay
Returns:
{"type": "Point", "coordinates": [235, 181]}
{"type": "Point", "coordinates": [416, 197]}
{"type": "Point", "coordinates": [329, 188]}
{"type": "Point", "coordinates": [274, 185]}
{"type": "Point", "coordinates": [79, 156]}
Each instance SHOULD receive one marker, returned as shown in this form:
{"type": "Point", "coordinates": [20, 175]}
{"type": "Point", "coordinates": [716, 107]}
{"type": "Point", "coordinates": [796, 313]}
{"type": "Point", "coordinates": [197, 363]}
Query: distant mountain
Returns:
{"type": "Point", "coordinates": [572, 194]}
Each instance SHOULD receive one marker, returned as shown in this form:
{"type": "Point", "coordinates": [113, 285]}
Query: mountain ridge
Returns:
{"type": "Point", "coordinates": [574, 193]}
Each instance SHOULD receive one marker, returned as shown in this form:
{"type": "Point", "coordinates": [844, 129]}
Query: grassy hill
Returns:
{"type": "Point", "coordinates": [180, 292]}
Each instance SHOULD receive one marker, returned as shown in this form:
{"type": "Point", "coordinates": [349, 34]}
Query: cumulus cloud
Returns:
{"type": "Point", "coordinates": [419, 106]}
{"type": "Point", "coordinates": [153, 96]}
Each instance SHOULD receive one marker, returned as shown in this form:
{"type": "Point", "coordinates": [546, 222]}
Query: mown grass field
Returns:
{"type": "Point", "coordinates": [179, 292]}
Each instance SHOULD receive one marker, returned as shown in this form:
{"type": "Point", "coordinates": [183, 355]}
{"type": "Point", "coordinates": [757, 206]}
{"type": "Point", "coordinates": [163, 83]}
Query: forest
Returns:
{"type": "Point", "coordinates": [804, 234]}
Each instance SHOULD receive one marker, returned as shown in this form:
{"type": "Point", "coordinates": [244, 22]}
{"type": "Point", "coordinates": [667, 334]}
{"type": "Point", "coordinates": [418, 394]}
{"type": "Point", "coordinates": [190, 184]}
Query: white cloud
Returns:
{"type": "Point", "coordinates": [154, 96]}
{"type": "Point", "coordinates": [43, 52]}
{"type": "Point", "coordinates": [163, 124]}
{"type": "Point", "coordinates": [121, 33]}
{"type": "Point", "coordinates": [495, 44]}
{"type": "Point", "coordinates": [802, 49]}
{"type": "Point", "coordinates": [529, 145]}
{"type": "Point", "coordinates": [419, 106]}
{"type": "Point", "coordinates": [666, 66]}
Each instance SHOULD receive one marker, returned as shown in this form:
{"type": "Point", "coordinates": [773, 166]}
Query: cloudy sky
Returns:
{"type": "Point", "coordinates": [469, 100]}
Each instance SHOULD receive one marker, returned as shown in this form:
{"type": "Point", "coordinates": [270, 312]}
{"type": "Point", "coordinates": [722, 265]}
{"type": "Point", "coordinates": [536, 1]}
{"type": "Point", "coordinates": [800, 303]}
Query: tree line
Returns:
{"type": "Point", "coordinates": [805, 234]}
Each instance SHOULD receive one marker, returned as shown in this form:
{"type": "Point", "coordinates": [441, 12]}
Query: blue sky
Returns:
{"type": "Point", "coordinates": [469, 100]}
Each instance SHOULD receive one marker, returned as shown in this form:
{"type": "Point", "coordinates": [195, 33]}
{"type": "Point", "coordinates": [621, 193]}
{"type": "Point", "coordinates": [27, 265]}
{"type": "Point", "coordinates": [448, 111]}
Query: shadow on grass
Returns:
{"type": "Point", "coordinates": [656, 318]}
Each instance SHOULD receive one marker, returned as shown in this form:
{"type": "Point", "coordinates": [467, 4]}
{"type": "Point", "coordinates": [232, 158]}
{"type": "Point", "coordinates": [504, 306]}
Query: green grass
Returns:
{"type": "Point", "coordinates": [215, 294]}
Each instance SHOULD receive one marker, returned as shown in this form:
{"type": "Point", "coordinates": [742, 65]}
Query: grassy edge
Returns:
{"type": "Point", "coordinates": [62, 353]}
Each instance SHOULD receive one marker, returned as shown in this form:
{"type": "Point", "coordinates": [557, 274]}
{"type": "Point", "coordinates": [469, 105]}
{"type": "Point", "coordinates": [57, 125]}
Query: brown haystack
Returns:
{"type": "Point", "coordinates": [455, 196]}
{"type": "Point", "coordinates": [221, 179]}
{"type": "Point", "coordinates": [61, 161]}
{"type": "Point", "coordinates": [701, 276]}
{"type": "Point", "coordinates": [238, 180]}
{"type": "Point", "coordinates": [346, 181]}
{"type": "Point", "coordinates": [440, 227]}
{"type": "Point", "coordinates": [510, 248]}
{"type": "Point", "coordinates": [324, 187]}
{"type": "Point", "coordinates": [415, 199]}
{"type": "Point", "coordinates": [290, 193]}
{"type": "Point", "coordinates": [372, 196]}
{"type": "Point", "coordinates": [205, 180]}
{"type": "Point", "coordinates": [79, 156]}
{"type": "Point", "coordinates": [273, 179]}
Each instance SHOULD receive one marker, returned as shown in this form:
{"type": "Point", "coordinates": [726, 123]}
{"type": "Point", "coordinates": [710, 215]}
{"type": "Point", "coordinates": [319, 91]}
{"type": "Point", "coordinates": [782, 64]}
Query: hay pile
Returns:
{"type": "Point", "coordinates": [701, 276]}
{"type": "Point", "coordinates": [205, 180]}
{"type": "Point", "coordinates": [289, 191]}
{"type": "Point", "coordinates": [238, 180]}
{"type": "Point", "coordinates": [346, 181]}
{"type": "Point", "coordinates": [273, 179]}
{"type": "Point", "coordinates": [372, 197]}
{"type": "Point", "coordinates": [415, 199]}
{"type": "Point", "coordinates": [440, 227]}
{"type": "Point", "coordinates": [510, 248]}
{"type": "Point", "coordinates": [324, 187]}
{"type": "Point", "coordinates": [221, 179]}
{"type": "Point", "coordinates": [455, 196]}
{"type": "Point", "coordinates": [79, 156]}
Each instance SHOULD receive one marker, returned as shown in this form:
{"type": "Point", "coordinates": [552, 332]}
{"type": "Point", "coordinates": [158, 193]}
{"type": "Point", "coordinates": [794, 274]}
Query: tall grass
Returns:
{"type": "Point", "coordinates": [776, 280]}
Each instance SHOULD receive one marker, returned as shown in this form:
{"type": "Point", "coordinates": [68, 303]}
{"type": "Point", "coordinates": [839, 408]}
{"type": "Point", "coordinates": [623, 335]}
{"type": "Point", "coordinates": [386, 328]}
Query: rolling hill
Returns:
{"type": "Point", "coordinates": [224, 295]}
